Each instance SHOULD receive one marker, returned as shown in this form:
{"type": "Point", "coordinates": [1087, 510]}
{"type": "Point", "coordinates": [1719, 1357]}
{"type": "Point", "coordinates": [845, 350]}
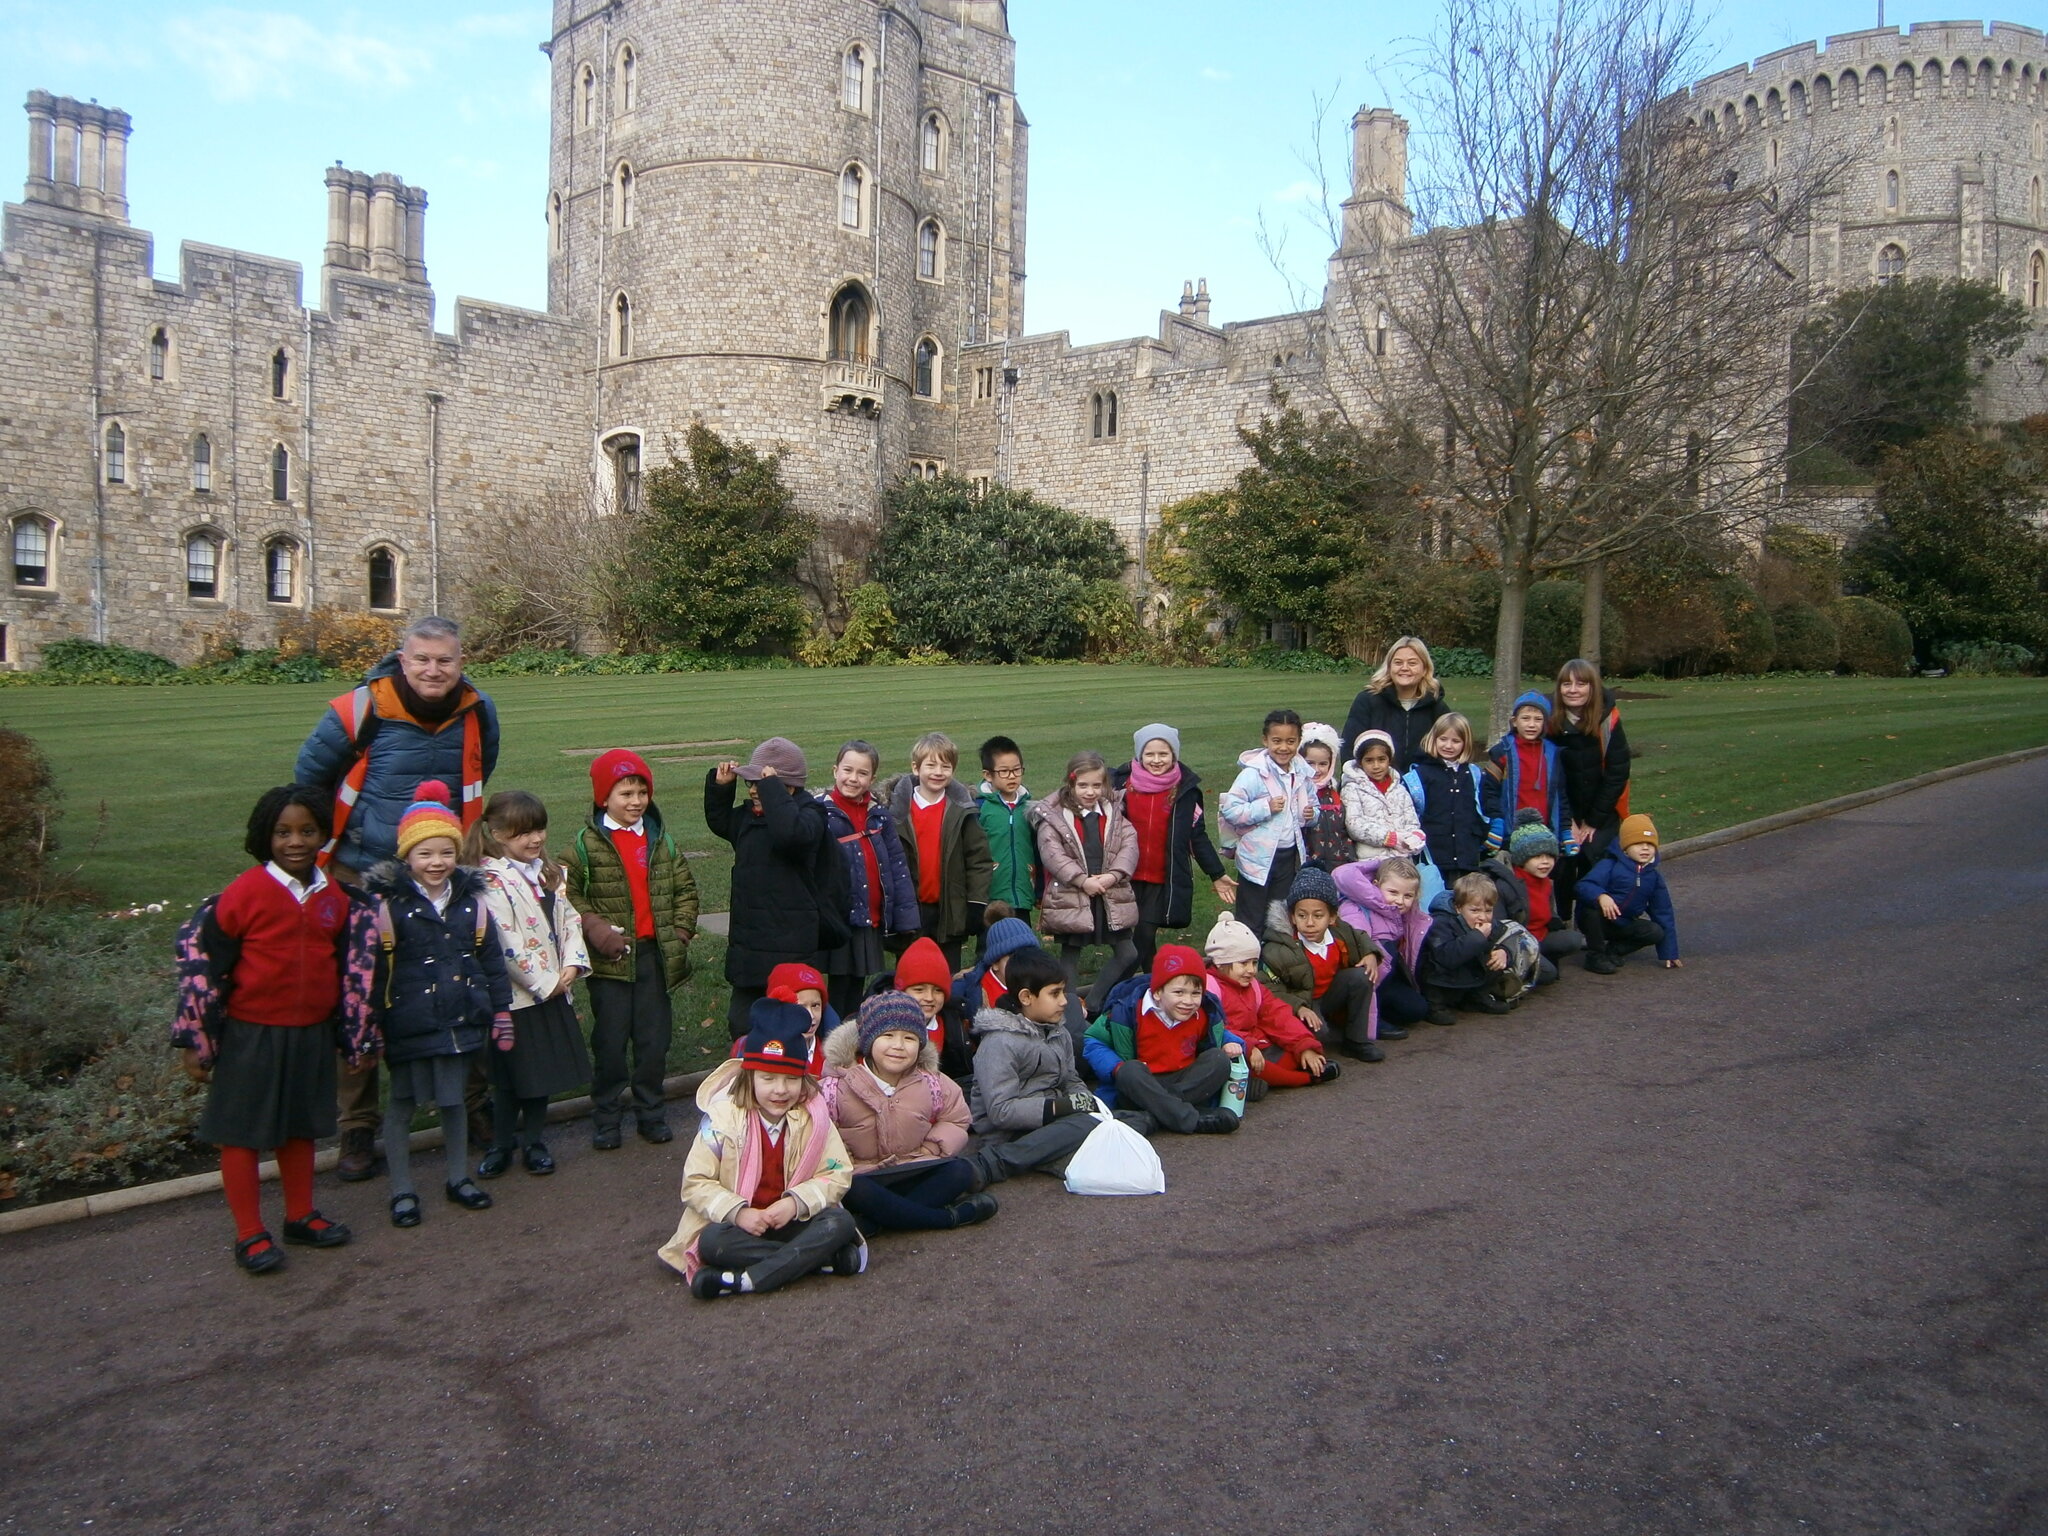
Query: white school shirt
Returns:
{"type": "Point", "coordinates": [301, 891]}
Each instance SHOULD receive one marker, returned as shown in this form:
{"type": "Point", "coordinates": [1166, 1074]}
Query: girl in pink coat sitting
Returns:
{"type": "Point", "coordinates": [904, 1123]}
{"type": "Point", "coordinates": [1383, 900]}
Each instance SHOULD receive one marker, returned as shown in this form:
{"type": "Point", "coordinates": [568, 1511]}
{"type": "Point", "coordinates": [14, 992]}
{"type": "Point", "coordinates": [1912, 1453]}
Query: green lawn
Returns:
{"type": "Point", "coordinates": [157, 782]}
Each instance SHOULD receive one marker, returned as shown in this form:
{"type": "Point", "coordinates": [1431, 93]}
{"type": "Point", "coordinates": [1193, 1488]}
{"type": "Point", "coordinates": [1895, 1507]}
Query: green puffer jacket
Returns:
{"type": "Point", "coordinates": [1013, 843]}
{"type": "Point", "coordinates": [597, 885]}
{"type": "Point", "coordinates": [1294, 979]}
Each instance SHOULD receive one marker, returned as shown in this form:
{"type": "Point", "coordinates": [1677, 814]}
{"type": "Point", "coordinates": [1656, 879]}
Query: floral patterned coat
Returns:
{"type": "Point", "coordinates": [535, 955]}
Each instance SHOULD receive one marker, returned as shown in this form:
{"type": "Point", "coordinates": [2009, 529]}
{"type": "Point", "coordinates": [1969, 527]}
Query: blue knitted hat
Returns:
{"type": "Point", "coordinates": [1534, 700]}
{"type": "Point", "coordinates": [1531, 839]}
{"type": "Point", "coordinates": [1005, 938]}
{"type": "Point", "coordinates": [1314, 884]}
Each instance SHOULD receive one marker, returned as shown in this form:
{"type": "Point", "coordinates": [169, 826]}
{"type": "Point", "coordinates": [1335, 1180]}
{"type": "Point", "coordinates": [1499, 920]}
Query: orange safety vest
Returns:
{"type": "Point", "coordinates": [357, 709]}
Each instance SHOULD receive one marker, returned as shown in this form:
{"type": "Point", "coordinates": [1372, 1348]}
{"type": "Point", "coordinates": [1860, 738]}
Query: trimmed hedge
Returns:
{"type": "Point", "coordinates": [1807, 638]}
{"type": "Point", "coordinates": [1876, 641]}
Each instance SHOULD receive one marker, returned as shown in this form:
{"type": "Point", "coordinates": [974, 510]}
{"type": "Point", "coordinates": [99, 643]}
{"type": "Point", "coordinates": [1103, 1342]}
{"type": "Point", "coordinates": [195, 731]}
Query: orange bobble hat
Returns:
{"type": "Point", "coordinates": [924, 962]}
{"type": "Point", "coordinates": [428, 816]}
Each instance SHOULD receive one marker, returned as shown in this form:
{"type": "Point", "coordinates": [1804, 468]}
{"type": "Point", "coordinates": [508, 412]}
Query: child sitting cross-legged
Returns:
{"type": "Point", "coordinates": [1161, 1043]}
{"type": "Point", "coordinates": [1383, 901]}
{"type": "Point", "coordinates": [1326, 970]}
{"type": "Point", "coordinates": [1624, 904]}
{"type": "Point", "coordinates": [1466, 962]}
{"type": "Point", "coordinates": [1281, 1051]}
{"type": "Point", "coordinates": [1533, 851]}
{"type": "Point", "coordinates": [1031, 1109]}
{"type": "Point", "coordinates": [766, 1173]}
{"type": "Point", "coordinates": [903, 1122]}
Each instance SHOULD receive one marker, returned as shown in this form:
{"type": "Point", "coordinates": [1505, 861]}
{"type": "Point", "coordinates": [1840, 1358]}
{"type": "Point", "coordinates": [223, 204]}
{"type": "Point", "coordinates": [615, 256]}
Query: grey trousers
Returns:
{"type": "Point", "coordinates": [777, 1257]}
{"type": "Point", "coordinates": [634, 1013]}
{"type": "Point", "coordinates": [1174, 1099]}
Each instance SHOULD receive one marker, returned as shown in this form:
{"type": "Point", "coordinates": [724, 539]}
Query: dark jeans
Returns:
{"type": "Point", "coordinates": [909, 1199]}
{"type": "Point", "coordinates": [1400, 1003]}
{"type": "Point", "coordinates": [779, 1256]}
{"type": "Point", "coordinates": [1252, 899]}
{"type": "Point", "coordinates": [1347, 1006]}
{"type": "Point", "coordinates": [1174, 1099]}
{"type": "Point", "coordinates": [1556, 944]}
{"type": "Point", "coordinates": [631, 1014]}
{"type": "Point", "coordinates": [928, 927]}
{"type": "Point", "coordinates": [1616, 938]}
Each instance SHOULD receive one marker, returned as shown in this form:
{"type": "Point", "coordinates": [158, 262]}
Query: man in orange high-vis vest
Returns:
{"type": "Point", "coordinates": [415, 717]}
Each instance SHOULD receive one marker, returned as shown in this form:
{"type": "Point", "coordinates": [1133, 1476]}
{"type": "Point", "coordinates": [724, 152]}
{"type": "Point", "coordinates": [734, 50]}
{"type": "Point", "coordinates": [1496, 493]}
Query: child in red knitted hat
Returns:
{"type": "Point", "coordinates": [924, 974]}
{"type": "Point", "coordinates": [804, 985]}
{"type": "Point", "coordinates": [639, 903]}
{"type": "Point", "coordinates": [1163, 1046]}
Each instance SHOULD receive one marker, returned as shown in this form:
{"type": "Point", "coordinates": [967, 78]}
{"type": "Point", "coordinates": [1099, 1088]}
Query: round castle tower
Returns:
{"type": "Point", "coordinates": [785, 220]}
{"type": "Point", "coordinates": [1942, 135]}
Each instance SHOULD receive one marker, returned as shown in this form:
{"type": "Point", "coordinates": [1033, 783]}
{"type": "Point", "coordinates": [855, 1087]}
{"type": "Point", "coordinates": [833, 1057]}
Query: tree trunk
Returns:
{"type": "Point", "coordinates": [1507, 651]}
{"type": "Point", "coordinates": [1595, 576]}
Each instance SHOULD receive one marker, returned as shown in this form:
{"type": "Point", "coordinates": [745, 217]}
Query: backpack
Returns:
{"type": "Point", "coordinates": [206, 965]}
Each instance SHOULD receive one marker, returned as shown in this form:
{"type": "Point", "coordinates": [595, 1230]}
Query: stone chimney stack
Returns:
{"type": "Point", "coordinates": [1187, 299]}
{"type": "Point", "coordinates": [375, 225]}
{"type": "Point", "coordinates": [1202, 302]}
{"type": "Point", "coordinates": [77, 156]}
{"type": "Point", "coordinates": [1376, 214]}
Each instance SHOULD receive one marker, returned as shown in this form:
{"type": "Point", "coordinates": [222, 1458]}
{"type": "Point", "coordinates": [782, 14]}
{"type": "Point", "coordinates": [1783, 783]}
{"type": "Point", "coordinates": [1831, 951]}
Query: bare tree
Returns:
{"type": "Point", "coordinates": [1594, 322]}
{"type": "Point", "coordinates": [548, 580]}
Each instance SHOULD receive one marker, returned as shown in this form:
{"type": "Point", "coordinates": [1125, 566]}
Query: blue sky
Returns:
{"type": "Point", "coordinates": [1161, 132]}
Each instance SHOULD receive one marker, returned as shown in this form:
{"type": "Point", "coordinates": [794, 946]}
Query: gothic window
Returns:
{"type": "Point", "coordinates": [2037, 282]}
{"type": "Point", "coordinates": [1379, 336]}
{"type": "Point", "coordinates": [1852, 88]}
{"type": "Point", "coordinates": [1891, 191]}
{"type": "Point", "coordinates": [280, 473]}
{"type": "Point", "coordinates": [159, 355]}
{"type": "Point", "coordinates": [382, 570]}
{"type": "Point", "coordinates": [932, 144]}
{"type": "Point", "coordinates": [116, 460]}
{"type": "Point", "coordinates": [984, 383]}
{"type": "Point", "coordinates": [280, 571]}
{"type": "Point", "coordinates": [1774, 157]}
{"type": "Point", "coordinates": [202, 463]}
{"type": "Point", "coordinates": [930, 246]}
{"type": "Point", "coordinates": [853, 79]}
{"type": "Point", "coordinates": [623, 449]}
{"type": "Point", "coordinates": [852, 196]}
{"type": "Point", "coordinates": [202, 565]}
{"type": "Point", "coordinates": [555, 225]}
{"type": "Point", "coordinates": [628, 76]}
{"type": "Point", "coordinates": [622, 196]}
{"type": "Point", "coordinates": [852, 325]}
{"type": "Point", "coordinates": [280, 375]}
{"type": "Point", "coordinates": [926, 381]}
{"type": "Point", "coordinates": [1891, 264]}
{"type": "Point", "coordinates": [1102, 408]}
{"type": "Point", "coordinates": [586, 98]}
{"type": "Point", "coordinates": [622, 327]}
{"type": "Point", "coordinates": [31, 540]}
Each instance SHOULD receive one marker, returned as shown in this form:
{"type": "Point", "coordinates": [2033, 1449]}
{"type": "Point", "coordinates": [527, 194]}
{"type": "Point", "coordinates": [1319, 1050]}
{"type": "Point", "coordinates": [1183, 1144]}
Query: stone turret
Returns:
{"type": "Point", "coordinates": [77, 156]}
{"type": "Point", "coordinates": [375, 224]}
{"type": "Point", "coordinates": [1376, 214]}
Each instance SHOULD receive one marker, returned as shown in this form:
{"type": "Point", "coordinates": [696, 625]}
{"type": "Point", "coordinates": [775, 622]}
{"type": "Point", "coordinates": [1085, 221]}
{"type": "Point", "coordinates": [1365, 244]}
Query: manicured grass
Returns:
{"type": "Point", "coordinates": [157, 781]}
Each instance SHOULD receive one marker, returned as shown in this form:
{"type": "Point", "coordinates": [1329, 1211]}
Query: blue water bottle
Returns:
{"type": "Point", "coordinates": [1234, 1091]}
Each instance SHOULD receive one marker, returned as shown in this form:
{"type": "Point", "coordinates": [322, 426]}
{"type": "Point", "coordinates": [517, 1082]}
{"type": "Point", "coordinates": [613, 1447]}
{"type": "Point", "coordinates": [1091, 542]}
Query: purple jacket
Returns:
{"type": "Point", "coordinates": [1367, 909]}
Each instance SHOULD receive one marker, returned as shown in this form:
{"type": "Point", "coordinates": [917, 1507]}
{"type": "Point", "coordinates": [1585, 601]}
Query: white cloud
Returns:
{"type": "Point", "coordinates": [1210, 72]}
{"type": "Point", "coordinates": [248, 54]}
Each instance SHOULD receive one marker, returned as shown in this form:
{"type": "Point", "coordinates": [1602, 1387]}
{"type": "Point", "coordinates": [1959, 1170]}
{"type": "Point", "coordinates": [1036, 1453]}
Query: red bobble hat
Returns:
{"type": "Point", "coordinates": [792, 977]}
{"type": "Point", "coordinates": [1176, 960]}
{"type": "Point", "coordinates": [924, 962]}
{"type": "Point", "coordinates": [610, 767]}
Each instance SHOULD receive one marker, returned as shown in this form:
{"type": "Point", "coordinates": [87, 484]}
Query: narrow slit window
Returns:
{"type": "Point", "coordinates": [202, 464]}
{"type": "Point", "coordinates": [116, 454]}
{"type": "Point", "coordinates": [280, 573]}
{"type": "Point", "coordinates": [281, 473]}
{"type": "Point", "coordinates": [853, 80]}
{"type": "Point", "coordinates": [852, 186]}
{"type": "Point", "coordinates": [927, 372]}
{"type": "Point", "coordinates": [928, 250]}
{"type": "Point", "coordinates": [159, 355]}
{"type": "Point", "coordinates": [280, 375]}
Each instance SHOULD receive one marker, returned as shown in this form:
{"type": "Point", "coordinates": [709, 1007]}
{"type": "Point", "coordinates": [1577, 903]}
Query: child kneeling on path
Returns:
{"type": "Point", "coordinates": [266, 969]}
{"type": "Point", "coordinates": [1282, 1052]}
{"type": "Point", "coordinates": [1624, 904]}
{"type": "Point", "coordinates": [766, 1172]}
{"type": "Point", "coordinates": [446, 995]}
{"type": "Point", "coordinates": [1326, 970]}
{"type": "Point", "coordinates": [904, 1124]}
{"type": "Point", "coordinates": [1031, 1109]}
{"type": "Point", "coordinates": [1162, 1045]}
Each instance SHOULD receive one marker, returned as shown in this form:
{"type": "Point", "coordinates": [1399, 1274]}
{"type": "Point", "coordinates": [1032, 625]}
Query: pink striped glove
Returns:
{"type": "Point", "coordinates": [501, 1031]}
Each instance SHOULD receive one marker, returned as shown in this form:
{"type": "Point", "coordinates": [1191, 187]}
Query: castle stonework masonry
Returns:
{"type": "Point", "coordinates": [803, 225]}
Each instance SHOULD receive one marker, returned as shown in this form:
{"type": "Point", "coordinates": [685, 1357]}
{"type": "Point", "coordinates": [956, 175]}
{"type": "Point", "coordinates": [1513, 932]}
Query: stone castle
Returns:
{"type": "Point", "coordinates": [803, 224]}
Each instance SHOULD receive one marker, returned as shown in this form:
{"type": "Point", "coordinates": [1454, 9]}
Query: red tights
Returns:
{"type": "Point", "coordinates": [239, 1180]}
{"type": "Point", "coordinates": [1283, 1069]}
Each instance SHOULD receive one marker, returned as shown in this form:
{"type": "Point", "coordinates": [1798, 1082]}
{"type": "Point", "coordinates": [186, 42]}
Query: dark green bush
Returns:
{"type": "Point", "coordinates": [28, 810]}
{"type": "Point", "coordinates": [1752, 641]}
{"type": "Point", "coordinates": [1461, 661]}
{"type": "Point", "coordinates": [1550, 627]}
{"type": "Point", "coordinates": [1875, 639]}
{"type": "Point", "coordinates": [1807, 638]}
{"type": "Point", "coordinates": [89, 661]}
{"type": "Point", "coordinates": [572, 664]}
{"type": "Point", "coordinates": [1987, 658]}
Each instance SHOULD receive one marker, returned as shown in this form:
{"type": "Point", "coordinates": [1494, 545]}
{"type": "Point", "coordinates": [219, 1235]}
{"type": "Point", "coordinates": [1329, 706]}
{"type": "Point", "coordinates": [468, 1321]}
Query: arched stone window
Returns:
{"type": "Point", "coordinates": [202, 563]}
{"type": "Point", "coordinates": [159, 355]}
{"type": "Point", "coordinates": [931, 144]}
{"type": "Point", "coordinates": [853, 197]}
{"type": "Point", "coordinates": [114, 464]}
{"type": "Point", "coordinates": [1851, 88]}
{"type": "Point", "coordinates": [622, 196]}
{"type": "Point", "coordinates": [1891, 263]}
{"type": "Point", "coordinates": [626, 80]}
{"type": "Point", "coordinates": [586, 98]}
{"type": "Point", "coordinates": [853, 79]}
{"type": "Point", "coordinates": [1891, 191]}
{"type": "Point", "coordinates": [852, 326]}
{"type": "Point", "coordinates": [1874, 85]}
{"type": "Point", "coordinates": [623, 450]}
{"type": "Point", "coordinates": [281, 374]}
{"type": "Point", "coordinates": [2037, 281]}
{"type": "Point", "coordinates": [931, 247]}
{"type": "Point", "coordinates": [381, 569]}
{"type": "Point", "coordinates": [1379, 335]}
{"type": "Point", "coordinates": [34, 540]}
{"type": "Point", "coordinates": [926, 381]}
{"type": "Point", "coordinates": [1102, 415]}
{"type": "Point", "coordinates": [281, 570]}
{"type": "Point", "coordinates": [202, 463]}
{"type": "Point", "coordinates": [2034, 201]}
{"type": "Point", "coordinates": [280, 473]}
{"type": "Point", "coordinates": [622, 326]}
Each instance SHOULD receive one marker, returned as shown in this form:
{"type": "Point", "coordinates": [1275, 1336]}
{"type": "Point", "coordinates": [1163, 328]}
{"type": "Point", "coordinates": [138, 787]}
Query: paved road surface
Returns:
{"type": "Point", "coordinates": [1757, 1246]}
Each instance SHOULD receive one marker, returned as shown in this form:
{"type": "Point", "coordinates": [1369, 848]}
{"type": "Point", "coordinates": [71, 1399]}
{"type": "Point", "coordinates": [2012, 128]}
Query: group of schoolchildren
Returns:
{"type": "Point", "coordinates": [1387, 875]}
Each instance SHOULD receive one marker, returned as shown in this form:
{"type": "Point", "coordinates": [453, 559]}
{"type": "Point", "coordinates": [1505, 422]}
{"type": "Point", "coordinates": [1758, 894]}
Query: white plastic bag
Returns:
{"type": "Point", "coordinates": [1115, 1160]}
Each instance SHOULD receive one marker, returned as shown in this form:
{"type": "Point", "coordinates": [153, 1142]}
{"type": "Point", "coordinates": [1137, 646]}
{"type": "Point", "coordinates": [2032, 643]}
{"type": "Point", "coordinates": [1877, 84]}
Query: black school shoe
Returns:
{"type": "Point", "coordinates": [468, 1196]}
{"type": "Point", "coordinates": [539, 1160]}
{"type": "Point", "coordinates": [969, 1211]}
{"type": "Point", "coordinates": [316, 1231]}
{"type": "Point", "coordinates": [495, 1163]}
{"type": "Point", "coordinates": [656, 1133]}
{"type": "Point", "coordinates": [1486, 1002]}
{"type": "Point", "coordinates": [1392, 1031]}
{"type": "Point", "coordinates": [604, 1138]}
{"type": "Point", "coordinates": [1217, 1122]}
{"type": "Point", "coordinates": [1362, 1050]}
{"type": "Point", "coordinates": [258, 1255]}
{"type": "Point", "coordinates": [1602, 962]}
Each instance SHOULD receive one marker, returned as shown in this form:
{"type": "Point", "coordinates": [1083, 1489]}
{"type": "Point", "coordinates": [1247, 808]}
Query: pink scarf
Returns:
{"type": "Point", "coordinates": [805, 1170]}
{"type": "Point", "coordinates": [1146, 782]}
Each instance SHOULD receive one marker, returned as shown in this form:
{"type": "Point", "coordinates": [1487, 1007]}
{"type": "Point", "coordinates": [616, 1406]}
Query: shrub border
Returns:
{"type": "Point", "coordinates": [58, 1212]}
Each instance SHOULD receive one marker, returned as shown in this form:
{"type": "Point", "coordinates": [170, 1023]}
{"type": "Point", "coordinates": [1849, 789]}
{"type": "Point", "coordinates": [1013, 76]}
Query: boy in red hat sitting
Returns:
{"type": "Point", "coordinates": [1161, 1043]}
